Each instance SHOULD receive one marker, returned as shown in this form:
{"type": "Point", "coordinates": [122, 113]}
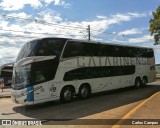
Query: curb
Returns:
{"type": "Point", "coordinates": [5, 96]}
{"type": "Point", "coordinates": [134, 110]}
{"type": "Point", "coordinates": [6, 93]}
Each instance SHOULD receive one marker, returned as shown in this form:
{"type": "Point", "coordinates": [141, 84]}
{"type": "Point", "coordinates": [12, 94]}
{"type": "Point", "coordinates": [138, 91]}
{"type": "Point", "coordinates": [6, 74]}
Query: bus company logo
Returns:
{"type": "Point", "coordinates": [111, 61]}
{"type": "Point", "coordinates": [52, 89]}
{"type": "Point", "coordinates": [6, 122]}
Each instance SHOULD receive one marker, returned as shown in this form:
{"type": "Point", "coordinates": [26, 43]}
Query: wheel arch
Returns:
{"type": "Point", "coordinates": [86, 84]}
{"type": "Point", "coordinates": [145, 77]}
{"type": "Point", "coordinates": [69, 85]}
{"type": "Point", "coordinates": [137, 77]}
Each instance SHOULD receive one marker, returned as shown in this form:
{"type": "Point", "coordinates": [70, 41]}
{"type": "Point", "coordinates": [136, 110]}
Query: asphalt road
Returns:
{"type": "Point", "coordinates": [107, 105]}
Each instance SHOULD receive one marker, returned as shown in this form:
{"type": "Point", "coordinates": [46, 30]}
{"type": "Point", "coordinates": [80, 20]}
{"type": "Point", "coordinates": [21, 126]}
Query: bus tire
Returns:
{"type": "Point", "coordinates": [84, 91]}
{"type": "Point", "coordinates": [144, 81]}
{"type": "Point", "coordinates": [138, 82]}
{"type": "Point", "coordinates": [66, 94]}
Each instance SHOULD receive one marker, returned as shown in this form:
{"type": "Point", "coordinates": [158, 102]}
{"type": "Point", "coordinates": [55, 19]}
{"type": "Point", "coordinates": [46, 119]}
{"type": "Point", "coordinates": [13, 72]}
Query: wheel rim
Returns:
{"type": "Point", "coordinates": [67, 95]}
{"type": "Point", "coordinates": [84, 92]}
{"type": "Point", "coordinates": [138, 83]}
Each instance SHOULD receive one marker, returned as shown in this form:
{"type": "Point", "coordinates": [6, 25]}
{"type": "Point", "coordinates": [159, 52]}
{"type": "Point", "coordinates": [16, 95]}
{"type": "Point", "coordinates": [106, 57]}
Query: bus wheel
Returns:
{"type": "Point", "coordinates": [144, 81]}
{"type": "Point", "coordinates": [66, 94]}
{"type": "Point", "coordinates": [83, 91]}
{"type": "Point", "coordinates": [137, 82]}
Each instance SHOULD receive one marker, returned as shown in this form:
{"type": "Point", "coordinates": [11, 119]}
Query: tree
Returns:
{"type": "Point", "coordinates": [155, 26]}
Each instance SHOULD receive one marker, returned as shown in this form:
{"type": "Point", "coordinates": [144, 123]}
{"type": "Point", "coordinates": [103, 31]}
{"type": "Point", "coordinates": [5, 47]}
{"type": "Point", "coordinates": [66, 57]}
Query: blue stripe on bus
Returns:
{"type": "Point", "coordinates": [30, 96]}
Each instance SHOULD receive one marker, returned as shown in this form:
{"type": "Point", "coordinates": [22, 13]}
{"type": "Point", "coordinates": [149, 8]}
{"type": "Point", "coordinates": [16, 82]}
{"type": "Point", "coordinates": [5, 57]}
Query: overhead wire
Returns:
{"type": "Point", "coordinates": [122, 35]}
{"type": "Point", "coordinates": [69, 27]}
{"type": "Point", "coordinates": [26, 32]}
{"type": "Point", "coordinates": [42, 22]}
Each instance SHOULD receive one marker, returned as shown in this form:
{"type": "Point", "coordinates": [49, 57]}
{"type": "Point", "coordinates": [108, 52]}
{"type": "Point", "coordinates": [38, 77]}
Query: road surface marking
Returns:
{"type": "Point", "coordinates": [133, 111]}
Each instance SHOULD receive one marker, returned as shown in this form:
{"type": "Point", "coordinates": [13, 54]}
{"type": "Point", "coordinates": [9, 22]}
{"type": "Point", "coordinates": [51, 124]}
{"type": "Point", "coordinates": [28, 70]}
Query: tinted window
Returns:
{"type": "Point", "coordinates": [6, 74]}
{"type": "Point", "coordinates": [43, 75]}
{"type": "Point", "coordinates": [73, 49]}
{"type": "Point", "coordinates": [39, 76]}
{"type": "Point", "coordinates": [81, 49]}
{"type": "Point", "coordinates": [6, 71]}
{"type": "Point", "coordinates": [123, 51]}
{"type": "Point", "coordinates": [98, 72]}
{"type": "Point", "coordinates": [106, 50]}
{"type": "Point", "coordinates": [49, 47]}
{"type": "Point", "coordinates": [148, 53]}
{"type": "Point", "coordinates": [44, 47]}
{"type": "Point", "coordinates": [139, 52]}
{"type": "Point", "coordinates": [90, 49]}
{"type": "Point", "coordinates": [43, 71]}
{"type": "Point", "coordinates": [111, 50]}
{"type": "Point", "coordinates": [27, 50]}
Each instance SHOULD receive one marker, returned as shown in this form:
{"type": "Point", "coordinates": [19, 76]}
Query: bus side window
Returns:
{"type": "Point", "coordinates": [39, 77]}
{"type": "Point", "coordinates": [50, 47]}
{"type": "Point", "coordinates": [73, 49]}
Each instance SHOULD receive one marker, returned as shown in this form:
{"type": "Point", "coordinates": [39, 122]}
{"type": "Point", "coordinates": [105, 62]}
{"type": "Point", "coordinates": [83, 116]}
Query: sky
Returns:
{"type": "Point", "coordinates": [114, 21]}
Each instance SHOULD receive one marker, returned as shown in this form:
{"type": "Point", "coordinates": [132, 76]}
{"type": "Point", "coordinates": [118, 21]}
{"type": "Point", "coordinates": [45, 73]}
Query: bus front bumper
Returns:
{"type": "Point", "coordinates": [17, 97]}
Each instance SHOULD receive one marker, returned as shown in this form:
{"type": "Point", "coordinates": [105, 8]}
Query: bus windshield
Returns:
{"type": "Point", "coordinates": [44, 47]}
{"type": "Point", "coordinates": [21, 76]}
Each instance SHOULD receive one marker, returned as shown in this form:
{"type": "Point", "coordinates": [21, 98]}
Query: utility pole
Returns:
{"type": "Point", "coordinates": [89, 32]}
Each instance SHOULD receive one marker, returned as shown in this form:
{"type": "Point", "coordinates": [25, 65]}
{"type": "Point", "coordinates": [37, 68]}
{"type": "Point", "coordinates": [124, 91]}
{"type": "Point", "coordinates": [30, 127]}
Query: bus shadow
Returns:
{"type": "Point", "coordinates": [97, 103]}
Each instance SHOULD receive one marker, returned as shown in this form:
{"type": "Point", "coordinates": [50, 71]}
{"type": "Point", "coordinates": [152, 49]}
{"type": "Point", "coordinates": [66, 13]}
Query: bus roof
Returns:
{"type": "Point", "coordinates": [92, 41]}
{"type": "Point", "coordinates": [6, 66]}
{"type": "Point", "coordinates": [102, 42]}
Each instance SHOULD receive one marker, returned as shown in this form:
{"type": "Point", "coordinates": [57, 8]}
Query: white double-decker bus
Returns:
{"type": "Point", "coordinates": [56, 68]}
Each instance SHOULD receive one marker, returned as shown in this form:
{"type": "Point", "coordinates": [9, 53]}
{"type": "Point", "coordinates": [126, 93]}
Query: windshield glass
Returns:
{"type": "Point", "coordinates": [27, 50]}
{"type": "Point", "coordinates": [43, 47]}
{"type": "Point", "coordinates": [21, 77]}
{"type": "Point", "coordinates": [50, 47]}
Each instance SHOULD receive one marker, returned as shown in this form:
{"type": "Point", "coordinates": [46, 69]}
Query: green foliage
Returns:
{"type": "Point", "coordinates": [157, 64]}
{"type": "Point", "coordinates": [155, 25]}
